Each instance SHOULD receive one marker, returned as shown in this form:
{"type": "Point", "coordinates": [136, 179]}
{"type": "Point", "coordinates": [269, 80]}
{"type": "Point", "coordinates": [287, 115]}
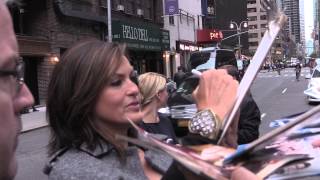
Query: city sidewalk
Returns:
{"type": "Point", "coordinates": [34, 120]}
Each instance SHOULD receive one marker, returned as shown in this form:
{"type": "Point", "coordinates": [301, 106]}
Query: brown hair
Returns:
{"type": "Point", "coordinates": [76, 83]}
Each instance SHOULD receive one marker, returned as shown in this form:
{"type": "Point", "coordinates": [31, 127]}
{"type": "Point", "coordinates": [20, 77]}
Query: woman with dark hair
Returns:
{"type": "Point", "coordinates": [91, 96]}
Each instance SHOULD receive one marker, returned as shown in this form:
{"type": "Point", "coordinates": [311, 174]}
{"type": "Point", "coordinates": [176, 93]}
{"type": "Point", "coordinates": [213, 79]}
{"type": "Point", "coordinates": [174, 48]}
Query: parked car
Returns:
{"type": "Point", "coordinates": [313, 91]}
{"type": "Point", "coordinates": [180, 102]}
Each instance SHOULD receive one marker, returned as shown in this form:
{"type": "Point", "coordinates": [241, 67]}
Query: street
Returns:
{"type": "Point", "coordinates": [277, 96]}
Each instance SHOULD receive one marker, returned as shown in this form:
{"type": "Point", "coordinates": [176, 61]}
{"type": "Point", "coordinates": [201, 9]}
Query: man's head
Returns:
{"type": "Point", "coordinates": [232, 71]}
{"type": "Point", "coordinates": [14, 95]}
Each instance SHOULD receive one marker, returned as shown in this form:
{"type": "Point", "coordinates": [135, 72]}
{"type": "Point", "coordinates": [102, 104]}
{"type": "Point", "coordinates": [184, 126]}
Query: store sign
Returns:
{"type": "Point", "coordinates": [182, 46]}
{"type": "Point", "coordinates": [171, 7]}
{"type": "Point", "coordinates": [130, 32]}
{"type": "Point", "coordinates": [140, 36]}
{"type": "Point", "coordinates": [209, 35]}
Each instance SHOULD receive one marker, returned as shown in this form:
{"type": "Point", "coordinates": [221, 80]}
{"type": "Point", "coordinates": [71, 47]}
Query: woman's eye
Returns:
{"type": "Point", "coordinates": [117, 82]}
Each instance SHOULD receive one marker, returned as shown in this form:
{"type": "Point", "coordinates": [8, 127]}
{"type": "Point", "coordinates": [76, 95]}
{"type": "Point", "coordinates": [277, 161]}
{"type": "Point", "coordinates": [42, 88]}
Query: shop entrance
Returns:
{"type": "Point", "coordinates": [31, 76]}
{"type": "Point", "coordinates": [146, 61]}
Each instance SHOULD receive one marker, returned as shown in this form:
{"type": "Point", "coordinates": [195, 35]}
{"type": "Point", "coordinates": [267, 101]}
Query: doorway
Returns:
{"type": "Point", "coordinates": [31, 76]}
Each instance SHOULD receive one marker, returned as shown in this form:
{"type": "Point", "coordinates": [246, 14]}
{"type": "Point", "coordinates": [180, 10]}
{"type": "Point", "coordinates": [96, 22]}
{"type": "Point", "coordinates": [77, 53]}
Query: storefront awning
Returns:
{"type": "Point", "coordinates": [141, 36]}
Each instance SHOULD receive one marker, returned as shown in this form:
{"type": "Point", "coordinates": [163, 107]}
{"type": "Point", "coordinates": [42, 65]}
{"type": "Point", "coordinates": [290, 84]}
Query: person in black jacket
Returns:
{"type": "Point", "coordinates": [179, 76]}
{"type": "Point", "coordinates": [250, 118]}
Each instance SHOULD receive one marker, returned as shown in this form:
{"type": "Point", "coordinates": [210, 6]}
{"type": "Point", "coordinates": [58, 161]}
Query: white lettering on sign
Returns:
{"type": "Point", "coordinates": [130, 32]}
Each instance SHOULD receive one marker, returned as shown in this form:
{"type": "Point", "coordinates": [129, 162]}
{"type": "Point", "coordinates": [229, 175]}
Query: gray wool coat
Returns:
{"type": "Point", "coordinates": [103, 163]}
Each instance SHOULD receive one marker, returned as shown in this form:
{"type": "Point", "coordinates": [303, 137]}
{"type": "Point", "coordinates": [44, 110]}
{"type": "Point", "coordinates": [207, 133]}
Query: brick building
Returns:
{"type": "Point", "coordinates": [46, 28]}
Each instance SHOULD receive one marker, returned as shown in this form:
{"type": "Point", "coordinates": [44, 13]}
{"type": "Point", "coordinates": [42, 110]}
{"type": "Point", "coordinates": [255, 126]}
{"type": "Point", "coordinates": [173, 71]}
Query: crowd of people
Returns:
{"type": "Point", "coordinates": [85, 113]}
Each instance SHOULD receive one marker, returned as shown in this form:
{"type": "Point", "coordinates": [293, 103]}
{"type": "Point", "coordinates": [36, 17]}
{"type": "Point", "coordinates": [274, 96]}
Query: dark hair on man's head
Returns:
{"type": "Point", "coordinates": [76, 83]}
{"type": "Point", "coordinates": [232, 71]}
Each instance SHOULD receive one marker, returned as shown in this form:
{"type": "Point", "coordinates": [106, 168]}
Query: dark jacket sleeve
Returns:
{"type": "Point", "coordinates": [249, 122]}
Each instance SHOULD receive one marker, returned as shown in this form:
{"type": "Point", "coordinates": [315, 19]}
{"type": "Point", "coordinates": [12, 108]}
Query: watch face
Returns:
{"type": "Point", "coordinates": [203, 123]}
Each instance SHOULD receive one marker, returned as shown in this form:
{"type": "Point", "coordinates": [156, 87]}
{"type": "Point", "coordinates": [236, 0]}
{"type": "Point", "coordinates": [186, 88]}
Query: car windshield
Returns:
{"type": "Point", "coordinates": [225, 58]}
{"type": "Point", "coordinates": [198, 58]}
{"type": "Point", "coordinates": [316, 73]}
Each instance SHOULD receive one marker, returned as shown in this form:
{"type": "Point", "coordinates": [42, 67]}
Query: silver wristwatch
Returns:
{"type": "Point", "coordinates": [206, 123]}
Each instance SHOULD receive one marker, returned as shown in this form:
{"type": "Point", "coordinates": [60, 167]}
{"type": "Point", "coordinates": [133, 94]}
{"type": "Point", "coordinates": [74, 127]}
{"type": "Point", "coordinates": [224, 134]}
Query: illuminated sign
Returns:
{"type": "Point", "coordinates": [209, 35]}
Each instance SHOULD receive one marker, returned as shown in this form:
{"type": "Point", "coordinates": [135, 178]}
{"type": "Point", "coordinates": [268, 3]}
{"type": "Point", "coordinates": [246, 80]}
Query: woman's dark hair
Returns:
{"type": "Point", "coordinates": [77, 81]}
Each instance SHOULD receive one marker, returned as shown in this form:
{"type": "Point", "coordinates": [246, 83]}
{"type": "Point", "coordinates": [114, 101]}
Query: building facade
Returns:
{"type": "Point", "coordinates": [219, 16]}
{"type": "Point", "coordinates": [183, 27]}
{"type": "Point", "coordinates": [257, 20]}
{"type": "Point", "coordinates": [292, 10]}
{"type": "Point", "coordinates": [46, 29]}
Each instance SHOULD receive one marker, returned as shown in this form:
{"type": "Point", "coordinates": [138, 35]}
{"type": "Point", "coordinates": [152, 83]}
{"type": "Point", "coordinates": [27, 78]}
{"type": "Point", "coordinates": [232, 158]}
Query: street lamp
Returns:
{"type": "Point", "coordinates": [244, 24]}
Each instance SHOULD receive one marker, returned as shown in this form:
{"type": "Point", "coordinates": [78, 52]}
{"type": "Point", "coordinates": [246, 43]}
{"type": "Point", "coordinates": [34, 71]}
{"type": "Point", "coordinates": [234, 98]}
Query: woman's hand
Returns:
{"type": "Point", "coordinates": [217, 91]}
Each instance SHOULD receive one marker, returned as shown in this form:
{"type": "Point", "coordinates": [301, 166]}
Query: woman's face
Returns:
{"type": "Point", "coordinates": [119, 99]}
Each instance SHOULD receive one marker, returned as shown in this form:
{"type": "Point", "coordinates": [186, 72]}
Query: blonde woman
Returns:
{"type": "Point", "coordinates": [154, 95]}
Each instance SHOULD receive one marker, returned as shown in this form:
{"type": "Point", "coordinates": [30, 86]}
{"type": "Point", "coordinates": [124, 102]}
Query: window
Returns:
{"type": "Point", "coordinates": [250, 10]}
{"type": "Point", "coordinates": [263, 17]}
{"type": "Point", "coordinates": [316, 73]}
{"type": "Point", "coordinates": [129, 7]}
{"type": "Point", "coordinates": [252, 18]}
{"type": "Point", "coordinates": [253, 26]}
{"type": "Point", "coordinates": [251, 2]}
{"type": "Point", "coordinates": [147, 10]}
{"type": "Point", "coordinates": [253, 35]}
{"type": "Point", "coordinates": [253, 43]}
{"type": "Point", "coordinates": [171, 20]}
{"type": "Point", "coordinates": [263, 25]}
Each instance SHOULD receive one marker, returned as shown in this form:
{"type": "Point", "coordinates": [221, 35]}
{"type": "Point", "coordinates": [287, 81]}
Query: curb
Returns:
{"type": "Point", "coordinates": [32, 129]}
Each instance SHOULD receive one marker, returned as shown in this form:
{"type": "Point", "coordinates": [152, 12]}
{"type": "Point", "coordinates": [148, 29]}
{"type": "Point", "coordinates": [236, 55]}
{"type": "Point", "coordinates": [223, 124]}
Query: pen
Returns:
{"type": "Point", "coordinates": [196, 72]}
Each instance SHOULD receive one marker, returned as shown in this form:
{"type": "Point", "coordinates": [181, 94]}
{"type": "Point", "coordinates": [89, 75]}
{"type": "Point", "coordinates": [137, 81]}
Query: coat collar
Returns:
{"type": "Point", "coordinates": [103, 148]}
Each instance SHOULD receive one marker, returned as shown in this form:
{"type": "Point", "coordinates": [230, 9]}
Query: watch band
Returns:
{"type": "Point", "coordinates": [206, 123]}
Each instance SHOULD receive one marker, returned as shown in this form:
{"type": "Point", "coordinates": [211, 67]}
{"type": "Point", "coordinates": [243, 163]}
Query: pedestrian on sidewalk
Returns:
{"type": "Point", "coordinates": [14, 95]}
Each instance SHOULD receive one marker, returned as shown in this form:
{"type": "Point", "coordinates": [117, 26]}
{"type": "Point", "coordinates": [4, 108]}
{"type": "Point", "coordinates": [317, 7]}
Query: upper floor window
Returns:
{"type": "Point", "coordinates": [253, 35]}
{"type": "Point", "coordinates": [130, 7]}
{"type": "Point", "coordinates": [252, 18]}
{"type": "Point", "coordinates": [263, 17]}
{"type": "Point", "coordinates": [263, 25]}
{"type": "Point", "coordinates": [251, 2]}
{"type": "Point", "coordinates": [250, 10]}
{"type": "Point", "coordinates": [147, 10]}
{"type": "Point", "coordinates": [253, 26]}
{"type": "Point", "coordinates": [171, 20]}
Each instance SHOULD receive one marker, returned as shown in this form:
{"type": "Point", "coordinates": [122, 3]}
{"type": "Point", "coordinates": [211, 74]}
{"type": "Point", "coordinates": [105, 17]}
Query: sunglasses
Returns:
{"type": "Point", "coordinates": [18, 73]}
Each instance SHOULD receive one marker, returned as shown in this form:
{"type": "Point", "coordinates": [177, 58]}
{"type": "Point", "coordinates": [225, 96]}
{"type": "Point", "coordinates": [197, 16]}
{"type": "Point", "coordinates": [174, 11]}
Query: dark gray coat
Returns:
{"type": "Point", "coordinates": [103, 163]}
